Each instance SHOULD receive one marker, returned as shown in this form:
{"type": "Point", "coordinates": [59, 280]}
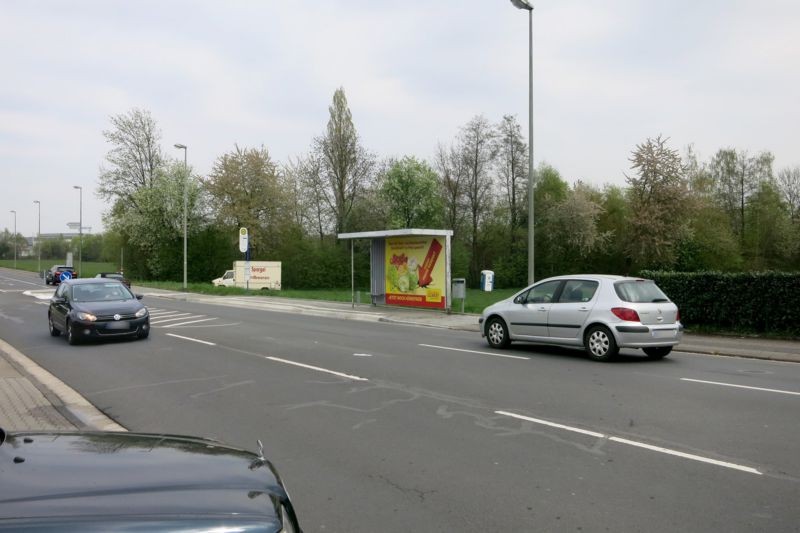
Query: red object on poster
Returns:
{"type": "Point", "coordinates": [426, 267]}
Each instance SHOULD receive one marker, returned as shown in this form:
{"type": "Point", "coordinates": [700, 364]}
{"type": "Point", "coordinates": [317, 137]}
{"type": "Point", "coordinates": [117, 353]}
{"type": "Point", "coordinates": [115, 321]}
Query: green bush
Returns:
{"type": "Point", "coordinates": [761, 302]}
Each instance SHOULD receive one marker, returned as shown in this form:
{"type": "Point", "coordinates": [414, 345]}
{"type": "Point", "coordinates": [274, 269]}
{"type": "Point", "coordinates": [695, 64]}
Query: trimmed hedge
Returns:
{"type": "Point", "coordinates": [763, 302]}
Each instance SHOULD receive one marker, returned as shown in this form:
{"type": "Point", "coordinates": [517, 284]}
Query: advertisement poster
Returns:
{"type": "Point", "coordinates": [415, 271]}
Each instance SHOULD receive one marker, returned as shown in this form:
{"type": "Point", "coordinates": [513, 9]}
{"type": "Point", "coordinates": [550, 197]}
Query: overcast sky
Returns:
{"type": "Point", "coordinates": [607, 75]}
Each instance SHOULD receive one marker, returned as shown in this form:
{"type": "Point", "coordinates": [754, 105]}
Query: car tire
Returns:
{"type": "Point", "coordinates": [600, 343]}
{"type": "Point", "coordinates": [72, 339]}
{"type": "Point", "coordinates": [54, 331]}
{"type": "Point", "coordinates": [658, 352]}
{"type": "Point", "coordinates": [143, 333]}
{"type": "Point", "coordinates": [497, 333]}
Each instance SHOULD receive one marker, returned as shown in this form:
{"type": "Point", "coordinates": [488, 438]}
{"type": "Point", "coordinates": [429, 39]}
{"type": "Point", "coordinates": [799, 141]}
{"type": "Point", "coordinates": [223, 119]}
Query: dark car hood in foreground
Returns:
{"type": "Point", "coordinates": [110, 307]}
{"type": "Point", "coordinates": [127, 481]}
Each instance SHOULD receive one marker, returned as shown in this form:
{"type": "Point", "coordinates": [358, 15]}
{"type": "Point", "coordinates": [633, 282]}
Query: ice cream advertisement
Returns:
{"type": "Point", "coordinates": [415, 272]}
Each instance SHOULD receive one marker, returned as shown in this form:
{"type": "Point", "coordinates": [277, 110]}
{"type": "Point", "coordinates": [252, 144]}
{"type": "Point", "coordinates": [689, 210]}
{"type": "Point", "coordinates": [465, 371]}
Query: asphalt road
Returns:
{"type": "Point", "coordinates": [386, 427]}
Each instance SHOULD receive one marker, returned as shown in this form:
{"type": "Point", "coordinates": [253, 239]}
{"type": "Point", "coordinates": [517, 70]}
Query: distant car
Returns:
{"type": "Point", "coordinates": [227, 279]}
{"type": "Point", "coordinates": [56, 272]}
{"type": "Point", "coordinates": [96, 308]}
{"type": "Point", "coordinates": [601, 313]}
{"type": "Point", "coordinates": [117, 481]}
{"type": "Point", "coordinates": [115, 275]}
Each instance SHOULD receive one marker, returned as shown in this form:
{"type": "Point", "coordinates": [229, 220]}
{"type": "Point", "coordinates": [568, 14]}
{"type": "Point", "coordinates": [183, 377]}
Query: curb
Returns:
{"type": "Point", "coordinates": [67, 398]}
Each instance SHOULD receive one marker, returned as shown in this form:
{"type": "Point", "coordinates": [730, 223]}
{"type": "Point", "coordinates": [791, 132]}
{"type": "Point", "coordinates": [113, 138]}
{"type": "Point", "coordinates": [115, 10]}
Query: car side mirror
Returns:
{"type": "Point", "coordinates": [519, 299]}
{"type": "Point", "coordinates": [56, 300]}
{"type": "Point", "coordinates": [139, 296]}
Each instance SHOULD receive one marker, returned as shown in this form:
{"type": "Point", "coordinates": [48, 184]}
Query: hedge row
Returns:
{"type": "Point", "coordinates": [754, 302]}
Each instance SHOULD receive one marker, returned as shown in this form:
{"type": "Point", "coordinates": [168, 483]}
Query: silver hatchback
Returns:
{"type": "Point", "coordinates": [599, 312]}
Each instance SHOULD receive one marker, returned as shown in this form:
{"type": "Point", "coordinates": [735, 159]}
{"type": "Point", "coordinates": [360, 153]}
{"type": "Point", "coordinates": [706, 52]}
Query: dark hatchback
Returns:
{"type": "Point", "coordinates": [56, 272]}
{"type": "Point", "coordinates": [106, 481]}
{"type": "Point", "coordinates": [96, 308]}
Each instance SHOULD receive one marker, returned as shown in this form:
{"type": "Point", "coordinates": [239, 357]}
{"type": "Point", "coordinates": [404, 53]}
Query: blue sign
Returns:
{"type": "Point", "coordinates": [65, 275]}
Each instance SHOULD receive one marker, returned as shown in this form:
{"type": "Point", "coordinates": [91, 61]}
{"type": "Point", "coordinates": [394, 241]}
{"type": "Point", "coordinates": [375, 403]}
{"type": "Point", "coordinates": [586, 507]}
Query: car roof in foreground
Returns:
{"type": "Point", "coordinates": [88, 281]}
{"type": "Point", "coordinates": [608, 277]}
{"type": "Point", "coordinates": [133, 478]}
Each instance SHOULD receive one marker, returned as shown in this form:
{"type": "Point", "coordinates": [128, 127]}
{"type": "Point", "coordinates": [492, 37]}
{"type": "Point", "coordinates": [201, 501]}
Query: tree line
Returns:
{"type": "Point", "coordinates": [731, 213]}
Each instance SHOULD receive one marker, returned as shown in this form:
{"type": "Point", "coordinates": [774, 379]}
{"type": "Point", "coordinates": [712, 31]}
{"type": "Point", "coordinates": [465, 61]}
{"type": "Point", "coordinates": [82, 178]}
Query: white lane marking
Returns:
{"type": "Point", "coordinates": [190, 339]}
{"type": "Point", "coordinates": [166, 313]}
{"type": "Point", "coordinates": [310, 367]}
{"type": "Point", "coordinates": [179, 324]}
{"type": "Point", "coordinates": [21, 281]}
{"type": "Point", "coordinates": [474, 351]}
{"type": "Point", "coordinates": [42, 303]}
{"type": "Point", "coordinates": [620, 440]}
{"type": "Point", "coordinates": [182, 316]}
{"type": "Point", "coordinates": [362, 354]}
{"type": "Point", "coordinates": [741, 386]}
{"type": "Point", "coordinates": [12, 290]}
{"type": "Point", "coordinates": [210, 326]}
{"type": "Point", "coordinates": [552, 424]}
{"type": "Point", "coordinates": [686, 455]}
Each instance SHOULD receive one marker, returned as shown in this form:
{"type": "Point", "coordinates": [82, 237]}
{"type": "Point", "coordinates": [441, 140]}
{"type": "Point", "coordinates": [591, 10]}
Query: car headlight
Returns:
{"type": "Point", "coordinates": [141, 312]}
{"type": "Point", "coordinates": [87, 316]}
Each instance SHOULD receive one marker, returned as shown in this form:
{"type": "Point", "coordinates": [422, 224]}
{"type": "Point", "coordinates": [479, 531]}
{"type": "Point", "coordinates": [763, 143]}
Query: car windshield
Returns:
{"type": "Point", "coordinates": [99, 292]}
{"type": "Point", "coordinates": [640, 291]}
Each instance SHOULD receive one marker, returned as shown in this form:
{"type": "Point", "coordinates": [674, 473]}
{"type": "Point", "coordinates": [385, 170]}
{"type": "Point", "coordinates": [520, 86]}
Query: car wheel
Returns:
{"type": "Point", "coordinates": [658, 352]}
{"type": "Point", "coordinates": [143, 333]}
{"type": "Point", "coordinates": [54, 331]}
{"type": "Point", "coordinates": [71, 337]}
{"type": "Point", "coordinates": [600, 343]}
{"type": "Point", "coordinates": [497, 333]}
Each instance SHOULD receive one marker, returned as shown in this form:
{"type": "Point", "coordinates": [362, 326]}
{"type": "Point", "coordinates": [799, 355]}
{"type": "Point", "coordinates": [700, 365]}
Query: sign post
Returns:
{"type": "Point", "coordinates": [244, 247]}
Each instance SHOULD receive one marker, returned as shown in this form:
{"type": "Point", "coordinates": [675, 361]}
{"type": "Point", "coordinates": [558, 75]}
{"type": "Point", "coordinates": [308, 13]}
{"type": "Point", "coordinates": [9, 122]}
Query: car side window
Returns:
{"type": "Point", "coordinates": [576, 291]}
{"type": "Point", "coordinates": [543, 293]}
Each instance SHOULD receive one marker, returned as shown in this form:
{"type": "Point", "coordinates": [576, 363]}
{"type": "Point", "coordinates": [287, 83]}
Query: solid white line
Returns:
{"type": "Point", "coordinates": [162, 314]}
{"type": "Point", "coordinates": [552, 424]}
{"type": "Point", "coordinates": [741, 386]}
{"type": "Point", "coordinates": [634, 443]}
{"type": "Point", "coordinates": [318, 369]}
{"type": "Point", "coordinates": [191, 322]}
{"type": "Point", "coordinates": [474, 351]}
{"type": "Point", "coordinates": [362, 354]}
{"type": "Point", "coordinates": [191, 339]}
{"type": "Point", "coordinates": [21, 281]}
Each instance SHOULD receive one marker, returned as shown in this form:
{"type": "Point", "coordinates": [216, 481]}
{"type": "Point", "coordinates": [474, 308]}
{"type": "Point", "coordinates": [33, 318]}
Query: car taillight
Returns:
{"type": "Point", "coordinates": [678, 315]}
{"type": "Point", "coordinates": [626, 314]}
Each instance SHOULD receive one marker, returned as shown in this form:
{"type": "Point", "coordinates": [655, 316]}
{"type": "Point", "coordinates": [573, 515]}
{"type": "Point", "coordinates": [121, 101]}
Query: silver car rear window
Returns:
{"type": "Point", "coordinates": [639, 291]}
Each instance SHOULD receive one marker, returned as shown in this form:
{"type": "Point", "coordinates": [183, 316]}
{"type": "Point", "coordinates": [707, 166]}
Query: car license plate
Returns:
{"type": "Point", "coordinates": [661, 333]}
{"type": "Point", "coordinates": [118, 325]}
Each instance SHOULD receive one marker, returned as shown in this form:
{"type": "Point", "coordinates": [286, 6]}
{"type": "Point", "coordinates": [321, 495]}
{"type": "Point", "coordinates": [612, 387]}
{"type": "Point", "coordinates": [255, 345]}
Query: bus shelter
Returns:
{"type": "Point", "coordinates": [408, 267]}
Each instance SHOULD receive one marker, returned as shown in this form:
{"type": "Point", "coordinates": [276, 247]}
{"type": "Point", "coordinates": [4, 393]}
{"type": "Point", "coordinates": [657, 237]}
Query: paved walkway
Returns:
{"type": "Point", "coordinates": [32, 398]}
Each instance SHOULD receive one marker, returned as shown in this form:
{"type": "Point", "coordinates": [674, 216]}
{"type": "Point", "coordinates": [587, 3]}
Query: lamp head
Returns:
{"type": "Point", "coordinates": [180, 146]}
{"type": "Point", "coordinates": [523, 4]}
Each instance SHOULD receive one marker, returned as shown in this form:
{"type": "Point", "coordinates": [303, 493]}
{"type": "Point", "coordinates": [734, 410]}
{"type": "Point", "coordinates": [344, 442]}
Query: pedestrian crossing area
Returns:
{"type": "Point", "coordinates": [166, 318]}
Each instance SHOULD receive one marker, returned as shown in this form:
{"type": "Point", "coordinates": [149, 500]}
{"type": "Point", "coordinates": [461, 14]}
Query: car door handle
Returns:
{"type": "Point", "coordinates": [584, 309]}
{"type": "Point", "coordinates": [542, 309]}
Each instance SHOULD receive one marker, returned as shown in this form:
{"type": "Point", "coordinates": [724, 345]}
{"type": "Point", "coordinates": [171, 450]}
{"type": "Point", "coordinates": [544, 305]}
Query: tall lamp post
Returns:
{"type": "Point", "coordinates": [39, 235]}
{"type": "Point", "coordinates": [80, 232]}
{"type": "Point", "coordinates": [527, 5]}
{"type": "Point", "coordinates": [15, 238]}
{"type": "Point", "coordinates": [185, 202]}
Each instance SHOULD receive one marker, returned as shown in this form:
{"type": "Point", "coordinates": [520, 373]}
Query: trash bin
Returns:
{"type": "Point", "coordinates": [459, 288]}
{"type": "Point", "coordinates": [459, 291]}
{"type": "Point", "coordinates": [487, 280]}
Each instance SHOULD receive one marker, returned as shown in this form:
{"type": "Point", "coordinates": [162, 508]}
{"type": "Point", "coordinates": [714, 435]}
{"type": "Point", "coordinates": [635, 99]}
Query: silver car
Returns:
{"type": "Point", "coordinates": [601, 313]}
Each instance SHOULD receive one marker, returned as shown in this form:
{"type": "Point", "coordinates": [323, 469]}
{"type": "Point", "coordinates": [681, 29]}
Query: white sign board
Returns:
{"type": "Point", "coordinates": [243, 240]}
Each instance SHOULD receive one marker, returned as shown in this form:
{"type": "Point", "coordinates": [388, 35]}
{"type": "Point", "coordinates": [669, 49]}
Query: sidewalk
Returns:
{"type": "Point", "coordinates": [32, 398]}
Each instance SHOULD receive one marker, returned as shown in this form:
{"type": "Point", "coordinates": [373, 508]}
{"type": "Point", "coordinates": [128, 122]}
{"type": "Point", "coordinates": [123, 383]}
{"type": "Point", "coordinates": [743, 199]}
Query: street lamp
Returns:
{"type": "Point", "coordinates": [15, 238]}
{"type": "Point", "coordinates": [185, 202]}
{"type": "Point", "coordinates": [39, 235]}
{"type": "Point", "coordinates": [80, 232]}
{"type": "Point", "coordinates": [528, 6]}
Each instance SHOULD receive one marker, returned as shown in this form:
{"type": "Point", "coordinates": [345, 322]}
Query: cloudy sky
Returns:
{"type": "Point", "coordinates": [607, 75]}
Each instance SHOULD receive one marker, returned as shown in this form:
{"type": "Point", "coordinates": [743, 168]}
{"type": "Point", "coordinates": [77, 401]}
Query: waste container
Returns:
{"type": "Point", "coordinates": [459, 291]}
{"type": "Point", "coordinates": [459, 288]}
{"type": "Point", "coordinates": [487, 280]}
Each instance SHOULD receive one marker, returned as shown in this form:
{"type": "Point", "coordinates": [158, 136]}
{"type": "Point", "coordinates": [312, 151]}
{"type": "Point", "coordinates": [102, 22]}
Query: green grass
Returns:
{"type": "Point", "coordinates": [90, 269]}
{"type": "Point", "coordinates": [476, 299]}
